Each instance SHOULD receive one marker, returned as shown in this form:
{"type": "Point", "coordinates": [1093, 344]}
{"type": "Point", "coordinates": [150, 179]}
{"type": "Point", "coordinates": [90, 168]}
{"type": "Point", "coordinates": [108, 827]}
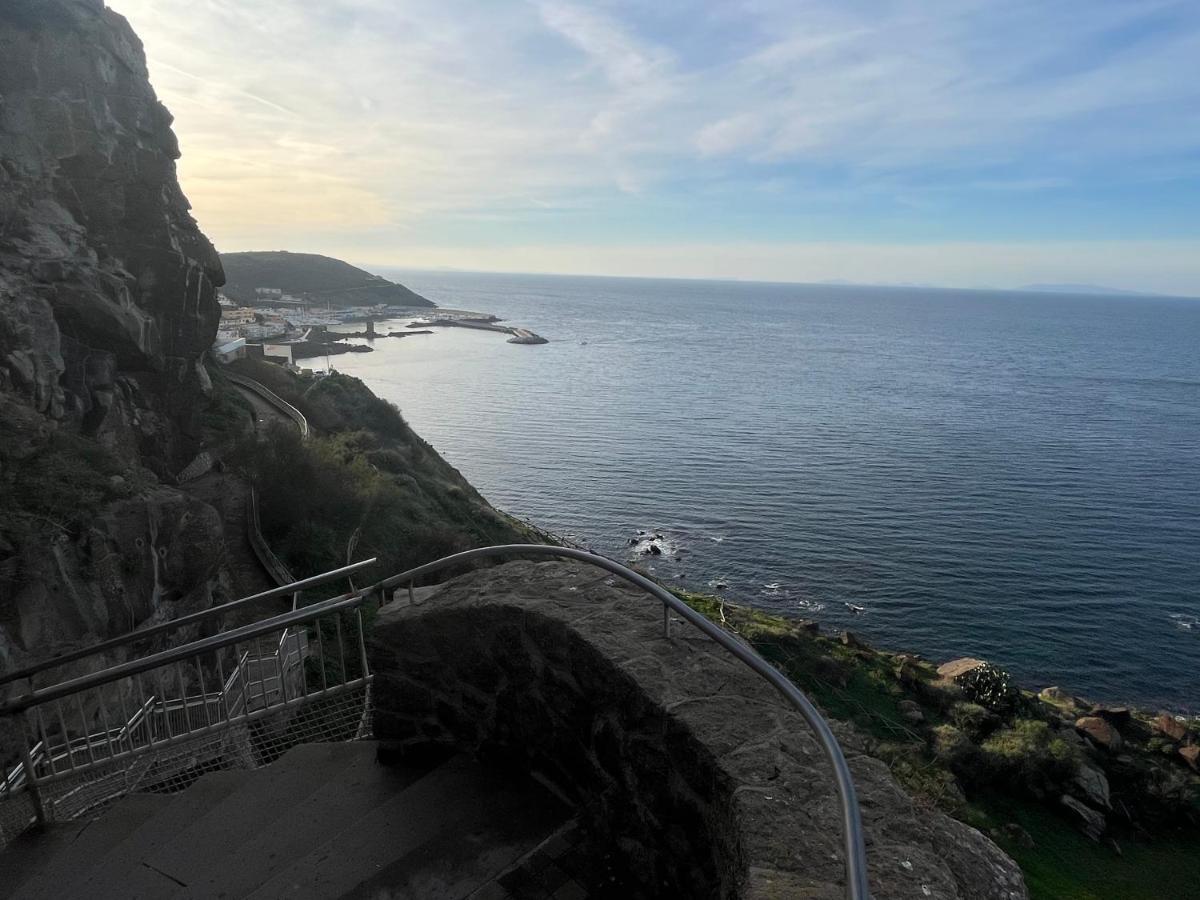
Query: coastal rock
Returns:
{"type": "Point", "coordinates": [912, 712]}
{"type": "Point", "coordinates": [1100, 732]}
{"type": "Point", "coordinates": [957, 668]}
{"type": "Point", "coordinates": [1090, 822]}
{"type": "Point", "coordinates": [1056, 696]}
{"type": "Point", "coordinates": [1117, 716]}
{"type": "Point", "coordinates": [1092, 785]}
{"type": "Point", "coordinates": [853, 641]}
{"type": "Point", "coordinates": [1166, 724]}
{"type": "Point", "coordinates": [1191, 756]}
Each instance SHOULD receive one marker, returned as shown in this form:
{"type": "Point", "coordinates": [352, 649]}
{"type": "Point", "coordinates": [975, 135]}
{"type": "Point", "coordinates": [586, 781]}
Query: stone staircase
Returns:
{"type": "Point", "coordinates": [325, 820]}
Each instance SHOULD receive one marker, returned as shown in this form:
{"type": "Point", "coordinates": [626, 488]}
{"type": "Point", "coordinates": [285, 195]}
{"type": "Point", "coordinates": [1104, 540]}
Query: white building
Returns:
{"type": "Point", "coordinates": [230, 350]}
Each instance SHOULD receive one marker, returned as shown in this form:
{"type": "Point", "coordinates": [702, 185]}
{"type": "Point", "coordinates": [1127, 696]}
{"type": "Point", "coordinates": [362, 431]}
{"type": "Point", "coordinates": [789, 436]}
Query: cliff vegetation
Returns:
{"type": "Point", "coordinates": [320, 279]}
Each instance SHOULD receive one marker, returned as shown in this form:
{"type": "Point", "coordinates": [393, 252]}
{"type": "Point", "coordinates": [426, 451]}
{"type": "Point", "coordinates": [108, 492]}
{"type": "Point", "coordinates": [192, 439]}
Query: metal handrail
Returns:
{"type": "Point", "coordinates": [175, 654]}
{"type": "Point", "coordinates": [293, 588]}
{"type": "Point", "coordinates": [857, 885]}
{"type": "Point", "coordinates": [273, 399]}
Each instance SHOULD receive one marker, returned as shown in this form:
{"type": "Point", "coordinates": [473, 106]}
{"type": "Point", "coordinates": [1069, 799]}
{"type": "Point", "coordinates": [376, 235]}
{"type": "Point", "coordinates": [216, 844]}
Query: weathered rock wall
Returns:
{"type": "Point", "coordinates": [692, 766]}
{"type": "Point", "coordinates": [107, 304]}
{"type": "Point", "coordinates": [107, 286]}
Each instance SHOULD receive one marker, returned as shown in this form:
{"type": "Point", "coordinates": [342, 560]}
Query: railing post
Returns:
{"type": "Point", "coordinates": [31, 779]}
{"type": "Point", "coordinates": [666, 621]}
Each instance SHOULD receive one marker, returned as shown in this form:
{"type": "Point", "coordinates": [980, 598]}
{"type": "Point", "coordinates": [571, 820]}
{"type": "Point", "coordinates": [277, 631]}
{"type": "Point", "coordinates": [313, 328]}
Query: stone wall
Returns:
{"type": "Point", "coordinates": [683, 760]}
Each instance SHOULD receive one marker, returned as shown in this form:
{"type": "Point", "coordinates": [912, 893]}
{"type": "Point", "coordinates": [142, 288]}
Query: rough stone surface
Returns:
{"type": "Point", "coordinates": [1100, 732]}
{"type": "Point", "coordinates": [1092, 785]}
{"type": "Point", "coordinates": [956, 668]}
{"type": "Point", "coordinates": [1167, 724]}
{"type": "Point", "coordinates": [694, 767]}
{"type": "Point", "coordinates": [1089, 820]}
{"type": "Point", "coordinates": [107, 303]}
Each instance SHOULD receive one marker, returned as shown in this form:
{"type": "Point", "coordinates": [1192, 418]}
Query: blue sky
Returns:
{"type": "Point", "coordinates": [962, 143]}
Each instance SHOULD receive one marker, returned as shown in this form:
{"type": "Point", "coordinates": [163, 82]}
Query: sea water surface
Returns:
{"type": "Point", "coordinates": [1004, 475]}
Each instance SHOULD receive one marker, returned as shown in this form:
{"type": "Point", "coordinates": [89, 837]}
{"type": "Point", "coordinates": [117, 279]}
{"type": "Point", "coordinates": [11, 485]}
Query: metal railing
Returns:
{"type": "Point", "coordinates": [857, 886]}
{"type": "Point", "coordinates": [53, 662]}
{"type": "Point", "coordinates": [252, 692]}
{"type": "Point", "coordinates": [273, 399]}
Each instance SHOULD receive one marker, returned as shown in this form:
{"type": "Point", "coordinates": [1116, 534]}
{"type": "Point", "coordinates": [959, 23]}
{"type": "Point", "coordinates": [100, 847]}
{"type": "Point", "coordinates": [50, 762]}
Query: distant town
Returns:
{"type": "Point", "coordinates": [278, 324]}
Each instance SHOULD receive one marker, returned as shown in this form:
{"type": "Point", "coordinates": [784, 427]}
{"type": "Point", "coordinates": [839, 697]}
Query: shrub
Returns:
{"type": "Point", "coordinates": [953, 748]}
{"type": "Point", "coordinates": [990, 686]}
{"type": "Point", "coordinates": [975, 720]}
{"type": "Point", "coordinates": [1029, 754]}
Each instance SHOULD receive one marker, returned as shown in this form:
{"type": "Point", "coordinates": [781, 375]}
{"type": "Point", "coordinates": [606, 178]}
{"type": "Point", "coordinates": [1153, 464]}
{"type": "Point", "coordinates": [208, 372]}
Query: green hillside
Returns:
{"type": "Point", "coordinates": [319, 278]}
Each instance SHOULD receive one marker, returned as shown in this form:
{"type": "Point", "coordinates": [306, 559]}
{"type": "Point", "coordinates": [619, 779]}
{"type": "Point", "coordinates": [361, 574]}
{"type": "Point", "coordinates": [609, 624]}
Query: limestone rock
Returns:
{"type": "Point", "coordinates": [1100, 732]}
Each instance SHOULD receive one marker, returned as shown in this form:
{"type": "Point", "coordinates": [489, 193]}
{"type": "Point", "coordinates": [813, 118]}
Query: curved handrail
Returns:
{"type": "Point", "coordinates": [857, 886]}
{"type": "Point", "coordinates": [273, 399]}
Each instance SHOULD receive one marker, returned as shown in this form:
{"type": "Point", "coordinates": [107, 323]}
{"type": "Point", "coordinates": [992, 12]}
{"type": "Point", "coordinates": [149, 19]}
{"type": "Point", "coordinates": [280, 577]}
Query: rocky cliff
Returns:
{"type": "Point", "coordinates": [107, 304]}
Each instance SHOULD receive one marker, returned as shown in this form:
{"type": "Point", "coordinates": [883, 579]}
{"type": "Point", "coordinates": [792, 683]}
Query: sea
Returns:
{"type": "Point", "coordinates": [1012, 476]}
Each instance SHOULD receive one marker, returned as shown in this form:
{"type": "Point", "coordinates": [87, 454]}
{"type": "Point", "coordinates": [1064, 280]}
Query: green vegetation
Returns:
{"type": "Point", "coordinates": [363, 481]}
{"type": "Point", "coordinates": [321, 278]}
{"type": "Point", "coordinates": [998, 759]}
{"type": "Point", "coordinates": [61, 486]}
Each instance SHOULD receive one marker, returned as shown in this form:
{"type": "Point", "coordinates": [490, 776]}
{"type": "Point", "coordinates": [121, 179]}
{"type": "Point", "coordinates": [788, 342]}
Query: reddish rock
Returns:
{"type": "Point", "coordinates": [957, 668]}
{"type": "Point", "coordinates": [1100, 732]}
{"type": "Point", "coordinates": [1167, 724]}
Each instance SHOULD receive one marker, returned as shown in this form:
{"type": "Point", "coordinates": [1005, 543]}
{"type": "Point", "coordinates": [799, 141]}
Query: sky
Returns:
{"type": "Point", "coordinates": [965, 143]}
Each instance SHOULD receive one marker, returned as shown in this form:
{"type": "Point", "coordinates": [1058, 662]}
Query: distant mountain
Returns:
{"type": "Point", "coordinates": [1080, 289]}
{"type": "Point", "coordinates": [321, 279]}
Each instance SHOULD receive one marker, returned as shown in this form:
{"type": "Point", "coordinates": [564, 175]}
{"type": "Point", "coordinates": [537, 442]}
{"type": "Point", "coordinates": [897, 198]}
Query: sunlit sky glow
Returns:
{"type": "Point", "coordinates": [956, 142]}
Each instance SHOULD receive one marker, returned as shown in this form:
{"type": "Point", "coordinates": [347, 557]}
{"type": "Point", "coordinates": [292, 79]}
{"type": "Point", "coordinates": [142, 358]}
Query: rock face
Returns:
{"type": "Point", "coordinates": [107, 286]}
{"type": "Point", "coordinates": [1166, 724]}
{"type": "Point", "coordinates": [957, 668]}
{"type": "Point", "coordinates": [107, 304]}
{"type": "Point", "coordinates": [708, 783]}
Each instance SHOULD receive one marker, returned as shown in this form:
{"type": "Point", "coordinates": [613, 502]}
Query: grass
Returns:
{"type": "Point", "coordinates": [860, 685]}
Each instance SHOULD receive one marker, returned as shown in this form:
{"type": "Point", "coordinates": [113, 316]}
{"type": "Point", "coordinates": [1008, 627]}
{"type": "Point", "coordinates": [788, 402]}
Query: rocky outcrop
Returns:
{"type": "Point", "coordinates": [107, 305]}
{"type": "Point", "coordinates": [107, 286]}
{"type": "Point", "coordinates": [706, 781]}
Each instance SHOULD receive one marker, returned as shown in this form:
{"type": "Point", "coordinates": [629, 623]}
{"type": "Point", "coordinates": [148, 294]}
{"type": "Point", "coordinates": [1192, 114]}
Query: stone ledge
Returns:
{"type": "Point", "coordinates": [688, 762]}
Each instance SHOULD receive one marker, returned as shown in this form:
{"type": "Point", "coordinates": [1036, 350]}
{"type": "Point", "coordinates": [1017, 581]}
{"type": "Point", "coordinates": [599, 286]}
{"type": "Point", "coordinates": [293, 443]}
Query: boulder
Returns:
{"type": "Point", "coordinates": [911, 711]}
{"type": "Point", "coordinates": [850, 639]}
{"type": "Point", "coordinates": [1092, 786]}
{"type": "Point", "coordinates": [1167, 724]}
{"type": "Point", "coordinates": [1117, 716]}
{"type": "Point", "coordinates": [1191, 756]}
{"type": "Point", "coordinates": [1090, 822]}
{"type": "Point", "coordinates": [1056, 696]}
{"type": "Point", "coordinates": [957, 668]}
{"type": "Point", "coordinates": [1099, 732]}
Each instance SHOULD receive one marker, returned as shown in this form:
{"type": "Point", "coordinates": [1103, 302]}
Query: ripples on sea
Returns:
{"type": "Point", "coordinates": [1012, 476]}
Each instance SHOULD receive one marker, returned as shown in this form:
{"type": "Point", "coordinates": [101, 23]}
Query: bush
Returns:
{"type": "Point", "coordinates": [953, 748]}
{"type": "Point", "coordinates": [975, 720]}
{"type": "Point", "coordinates": [1030, 754]}
{"type": "Point", "coordinates": [991, 687]}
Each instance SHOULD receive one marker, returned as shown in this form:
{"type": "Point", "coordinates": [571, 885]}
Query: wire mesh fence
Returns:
{"type": "Point", "coordinates": [239, 700]}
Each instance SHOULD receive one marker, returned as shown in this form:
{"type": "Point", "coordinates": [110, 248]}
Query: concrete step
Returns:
{"type": "Point", "coordinates": [26, 865]}
{"type": "Point", "coordinates": [84, 868]}
{"type": "Point", "coordinates": [445, 836]}
{"type": "Point", "coordinates": [325, 820]}
{"type": "Point", "coordinates": [145, 865]}
{"type": "Point", "coordinates": [303, 822]}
